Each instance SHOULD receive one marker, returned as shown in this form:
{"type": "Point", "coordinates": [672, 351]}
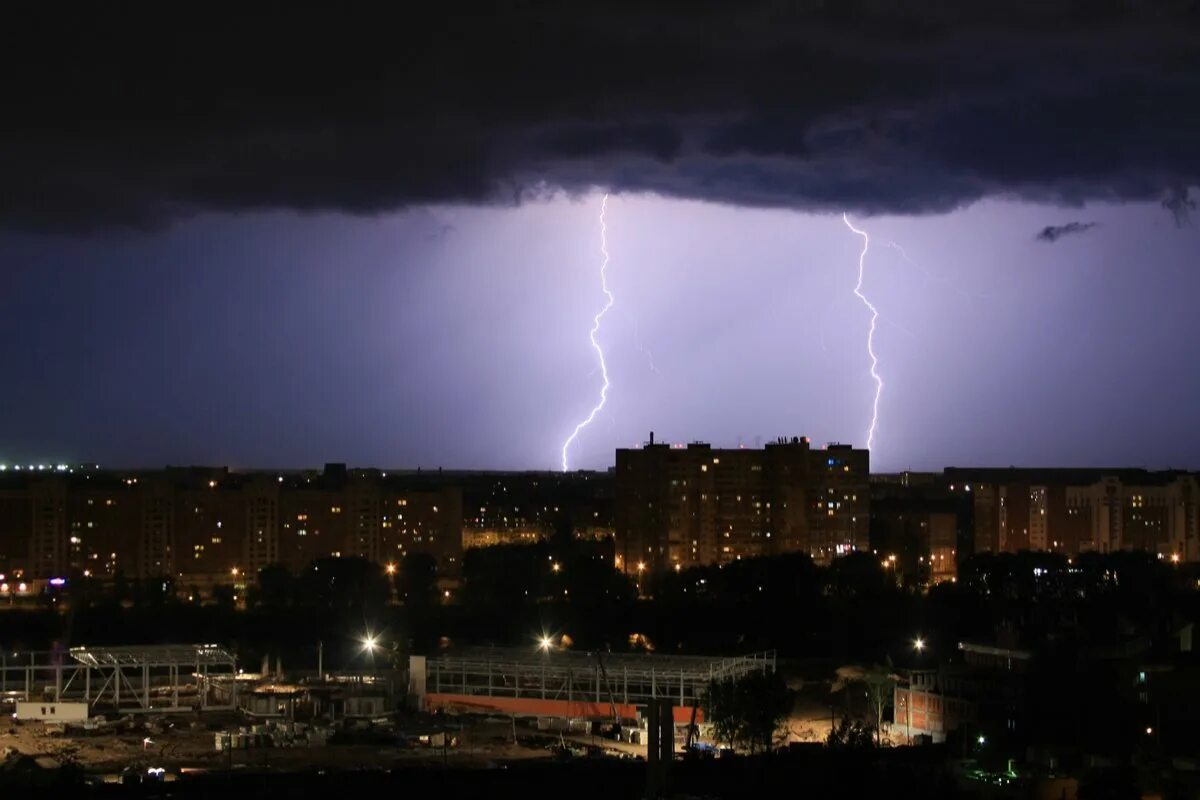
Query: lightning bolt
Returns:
{"type": "Point", "coordinates": [637, 342]}
{"type": "Point", "coordinates": [871, 334]}
{"type": "Point", "coordinates": [592, 336]}
{"type": "Point", "coordinates": [929, 276]}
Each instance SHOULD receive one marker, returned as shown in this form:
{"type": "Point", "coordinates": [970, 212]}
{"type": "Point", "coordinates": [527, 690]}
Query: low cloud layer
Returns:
{"type": "Point", "coordinates": [1052, 233]}
{"type": "Point", "coordinates": [859, 106]}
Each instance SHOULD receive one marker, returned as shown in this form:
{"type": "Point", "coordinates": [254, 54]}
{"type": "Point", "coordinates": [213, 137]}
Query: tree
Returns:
{"type": "Point", "coordinates": [223, 595]}
{"type": "Point", "coordinates": [766, 703]}
{"type": "Point", "coordinates": [419, 579]}
{"type": "Point", "coordinates": [748, 709]}
{"type": "Point", "coordinates": [720, 709]}
{"type": "Point", "coordinates": [275, 586]}
{"type": "Point", "coordinates": [352, 583]}
{"type": "Point", "coordinates": [879, 683]}
{"type": "Point", "coordinates": [850, 735]}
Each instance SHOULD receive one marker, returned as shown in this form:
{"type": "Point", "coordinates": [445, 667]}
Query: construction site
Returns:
{"type": "Point", "coordinates": [138, 713]}
{"type": "Point", "coordinates": [568, 685]}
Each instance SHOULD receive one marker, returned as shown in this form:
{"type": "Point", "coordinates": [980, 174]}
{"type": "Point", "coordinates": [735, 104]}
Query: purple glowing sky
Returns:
{"type": "Point", "coordinates": [457, 336]}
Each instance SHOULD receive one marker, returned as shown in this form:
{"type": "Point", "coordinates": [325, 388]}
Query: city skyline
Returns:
{"type": "Point", "coordinates": [643, 400]}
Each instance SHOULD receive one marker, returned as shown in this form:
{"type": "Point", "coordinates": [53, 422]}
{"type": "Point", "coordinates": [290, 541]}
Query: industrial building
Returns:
{"type": "Point", "coordinates": [569, 685]}
{"type": "Point", "coordinates": [136, 679]}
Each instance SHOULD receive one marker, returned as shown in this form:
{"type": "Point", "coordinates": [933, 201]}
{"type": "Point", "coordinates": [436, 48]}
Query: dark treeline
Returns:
{"type": "Point", "coordinates": [512, 595]}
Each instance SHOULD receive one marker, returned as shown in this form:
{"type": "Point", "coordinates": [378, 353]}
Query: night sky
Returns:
{"type": "Point", "coordinates": [282, 240]}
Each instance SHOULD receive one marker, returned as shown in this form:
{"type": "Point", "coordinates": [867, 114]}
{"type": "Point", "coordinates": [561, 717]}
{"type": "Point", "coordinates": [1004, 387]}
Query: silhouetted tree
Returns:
{"type": "Point", "coordinates": [851, 735]}
{"type": "Point", "coordinates": [223, 595]}
{"type": "Point", "coordinates": [748, 709]}
{"type": "Point", "coordinates": [418, 580]}
{"type": "Point", "coordinates": [720, 710]}
{"type": "Point", "coordinates": [344, 583]}
{"type": "Point", "coordinates": [275, 586]}
{"type": "Point", "coordinates": [880, 685]}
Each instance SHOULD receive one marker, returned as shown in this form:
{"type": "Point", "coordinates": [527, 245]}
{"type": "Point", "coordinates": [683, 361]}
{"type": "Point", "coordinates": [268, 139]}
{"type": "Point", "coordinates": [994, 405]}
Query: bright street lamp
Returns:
{"type": "Point", "coordinates": [545, 643]}
{"type": "Point", "coordinates": [919, 644]}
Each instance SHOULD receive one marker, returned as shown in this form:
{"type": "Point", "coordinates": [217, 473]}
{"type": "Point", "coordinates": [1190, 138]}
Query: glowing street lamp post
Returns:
{"type": "Point", "coordinates": [370, 644]}
{"type": "Point", "coordinates": [919, 646]}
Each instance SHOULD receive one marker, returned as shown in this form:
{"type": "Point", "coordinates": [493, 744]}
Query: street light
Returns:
{"type": "Point", "coordinates": [370, 642]}
{"type": "Point", "coordinates": [982, 740]}
{"type": "Point", "coordinates": [545, 643]}
{"type": "Point", "coordinates": [390, 569]}
{"type": "Point", "coordinates": [555, 567]}
{"type": "Point", "coordinates": [919, 644]}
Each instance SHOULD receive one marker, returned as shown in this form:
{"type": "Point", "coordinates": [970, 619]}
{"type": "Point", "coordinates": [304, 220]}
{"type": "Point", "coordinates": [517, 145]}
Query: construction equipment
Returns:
{"type": "Point", "coordinates": [615, 724]}
{"type": "Point", "coordinates": [692, 731]}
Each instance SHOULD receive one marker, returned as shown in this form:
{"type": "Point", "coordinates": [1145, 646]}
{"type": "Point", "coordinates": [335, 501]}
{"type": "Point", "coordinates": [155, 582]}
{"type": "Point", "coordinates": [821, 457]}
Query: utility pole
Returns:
{"type": "Point", "coordinates": [321, 660]}
{"type": "Point", "coordinates": [908, 710]}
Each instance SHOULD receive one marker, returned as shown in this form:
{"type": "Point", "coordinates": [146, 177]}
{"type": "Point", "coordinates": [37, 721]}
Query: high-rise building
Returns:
{"type": "Point", "coordinates": [260, 502]}
{"type": "Point", "coordinates": [426, 521]}
{"type": "Point", "coordinates": [156, 554]}
{"type": "Point", "coordinates": [679, 506]}
{"type": "Point", "coordinates": [205, 526]}
{"type": "Point", "coordinates": [915, 535]}
{"type": "Point", "coordinates": [1080, 510]}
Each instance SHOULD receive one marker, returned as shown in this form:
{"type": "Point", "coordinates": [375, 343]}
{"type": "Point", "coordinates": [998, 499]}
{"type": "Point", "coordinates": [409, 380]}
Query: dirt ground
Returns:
{"type": "Point", "coordinates": [183, 745]}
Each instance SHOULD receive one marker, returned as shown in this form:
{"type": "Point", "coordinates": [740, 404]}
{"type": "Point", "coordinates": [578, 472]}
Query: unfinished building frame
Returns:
{"type": "Point", "coordinates": [143, 678]}
{"type": "Point", "coordinates": [590, 684]}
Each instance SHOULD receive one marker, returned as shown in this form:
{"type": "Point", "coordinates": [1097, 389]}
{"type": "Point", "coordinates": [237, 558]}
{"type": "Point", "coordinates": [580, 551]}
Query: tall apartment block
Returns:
{"type": "Point", "coordinates": [203, 525]}
{"type": "Point", "coordinates": [1080, 510]}
{"type": "Point", "coordinates": [681, 506]}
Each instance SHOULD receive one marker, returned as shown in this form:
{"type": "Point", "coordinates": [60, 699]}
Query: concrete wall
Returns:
{"type": "Point", "coordinates": [51, 711]}
{"type": "Point", "coordinates": [536, 707]}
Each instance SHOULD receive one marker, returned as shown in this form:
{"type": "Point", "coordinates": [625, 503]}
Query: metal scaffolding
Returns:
{"type": "Point", "coordinates": [585, 677]}
{"type": "Point", "coordinates": [140, 678]}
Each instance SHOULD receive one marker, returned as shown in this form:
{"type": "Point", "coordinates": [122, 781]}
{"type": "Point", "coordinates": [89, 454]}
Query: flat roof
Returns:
{"type": "Point", "coordinates": [128, 655]}
{"type": "Point", "coordinates": [533, 656]}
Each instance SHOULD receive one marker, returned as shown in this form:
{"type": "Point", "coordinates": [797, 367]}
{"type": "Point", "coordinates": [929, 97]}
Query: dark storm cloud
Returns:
{"type": "Point", "coordinates": [866, 106]}
{"type": "Point", "coordinates": [1052, 233]}
{"type": "Point", "coordinates": [1180, 203]}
